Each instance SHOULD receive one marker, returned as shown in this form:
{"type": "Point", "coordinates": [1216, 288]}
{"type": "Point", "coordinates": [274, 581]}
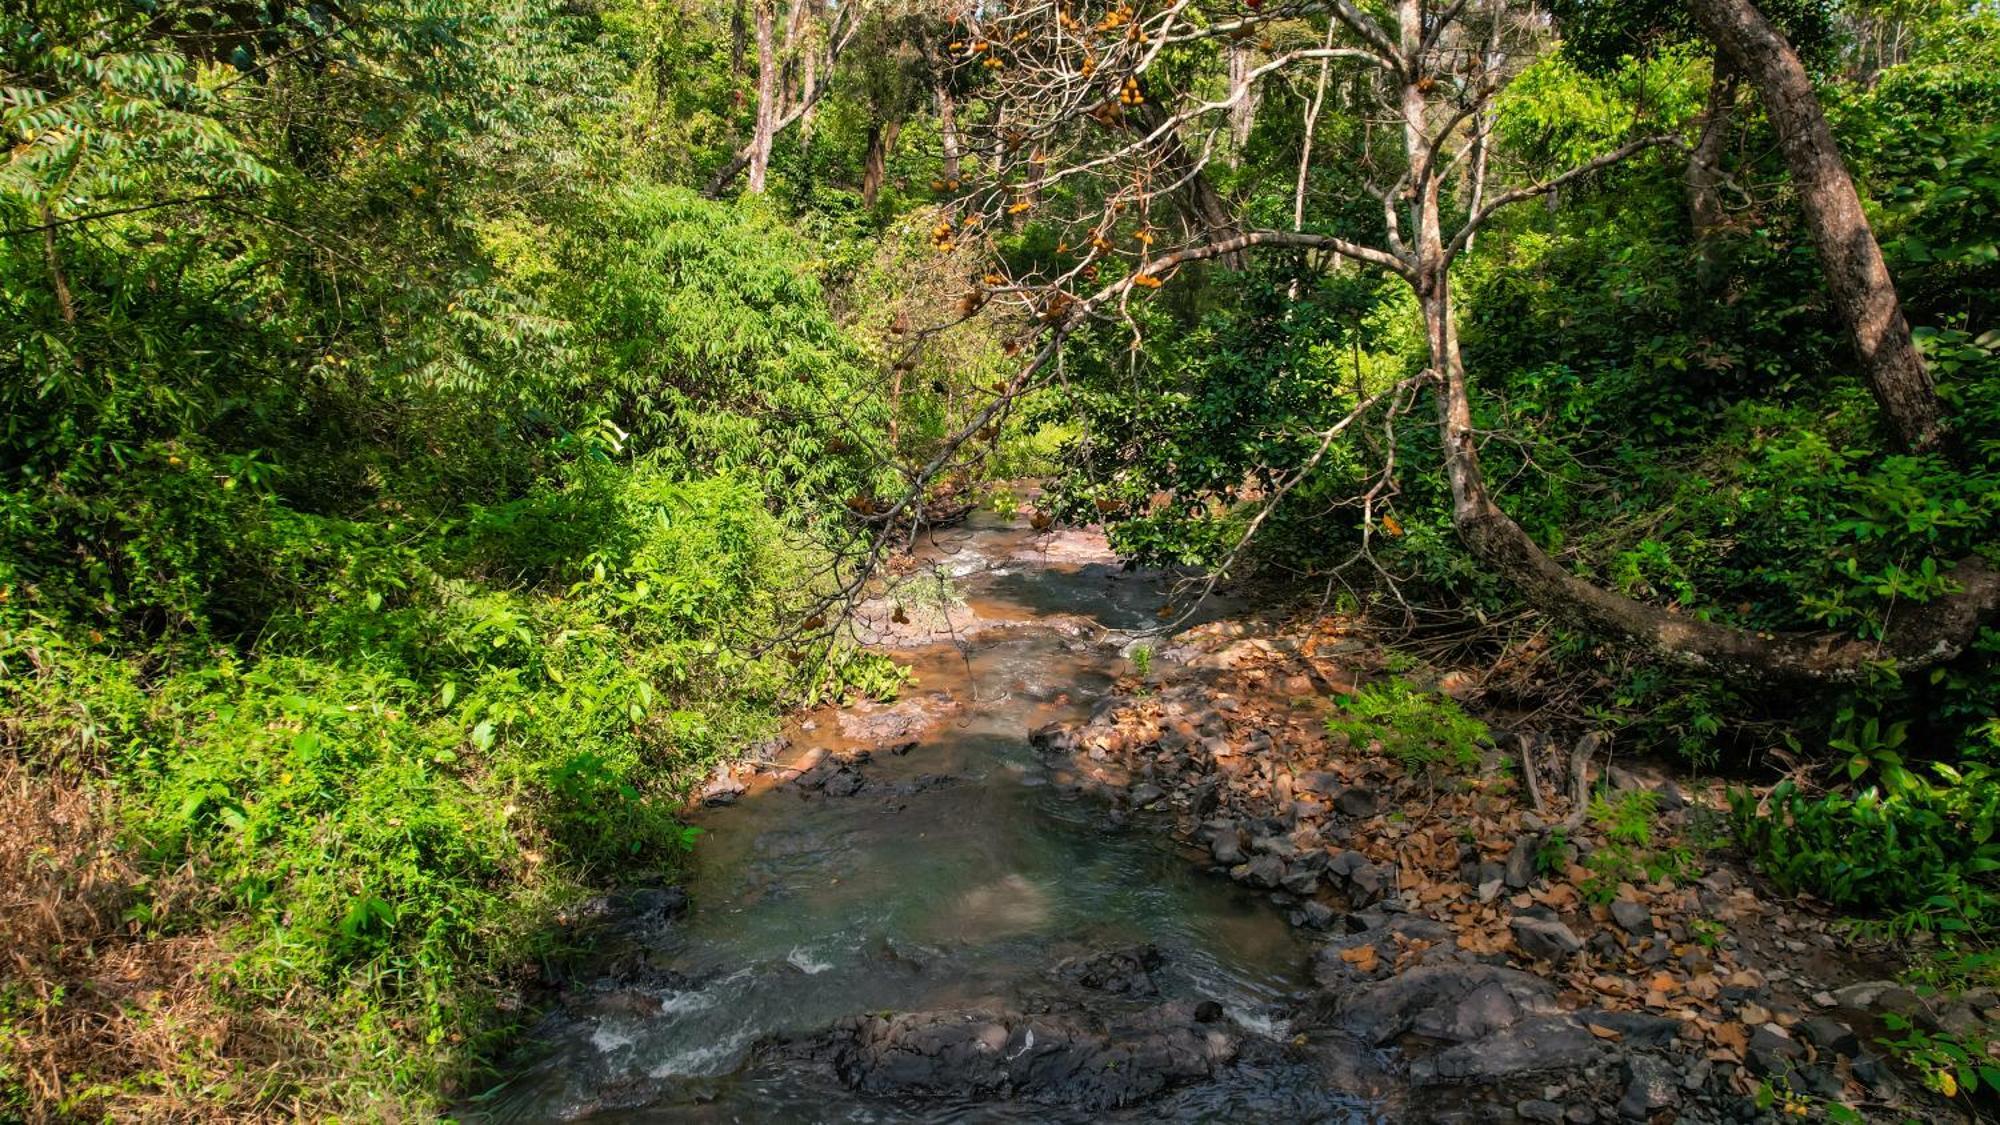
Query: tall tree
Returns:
{"type": "Point", "coordinates": [1856, 275]}
{"type": "Point", "coordinates": [1435, 84]}
{"type": "Point", "coordinates": [766, 129]}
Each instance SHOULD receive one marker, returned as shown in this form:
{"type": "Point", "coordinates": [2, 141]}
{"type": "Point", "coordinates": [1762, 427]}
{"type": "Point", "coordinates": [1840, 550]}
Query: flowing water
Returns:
{"type": "Point", "coordinates": [957, 875]}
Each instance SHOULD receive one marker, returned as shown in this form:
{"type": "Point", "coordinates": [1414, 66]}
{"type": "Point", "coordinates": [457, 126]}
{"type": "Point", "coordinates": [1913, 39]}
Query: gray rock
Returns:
{"type": "Point", "coordinates": [978, 1055]}
{"type": "Point", "coordinates": [1356, 802]}
{"type": "Point", "coordinates": [1520, 869]}
{"type": "Point", "coordinates": [1772, 1054]}
{"type": "Point", "coordinates": [1636, 1029]}
{"type": "Point", "coordinates": [1145, 794]}
{"type": "Point", "coordinates": [1317, 781]}
{"type": "Point", "coordinates": [1314, 915]}
{"type": "Point", "coordinates": [1227, 847]}
{"type": "Point", "coordinates": [1861, 997]}
{"type": "Point", "coordinates": [1301, 880]}
{"type": "Point", "coordinates": [843, 783]}
{"type": "Point", "coordinates": [1439, 1000]}
{"type": "Point", "coordinates": [1264, 871]}
{"type": "Point", "coordinates": [1370, 882]}
{"type": "Point", "coordinates": [1650, 1086]}
{"type": "Point", "coordinates": [1829, 1034]}
{"type": "Point", "coordinates": [1121, 972]}
{"type": "Point", "coordinates": [1533, 1045]}
{"type": "Point", "coordinates": [1544, 938]}
{"type": "Point", "coordinates": [1535, 1109]}
{"type": "Point", "coordinates": [1632, 917]}
{"type": "Point", "coordinates": [1380, 931]}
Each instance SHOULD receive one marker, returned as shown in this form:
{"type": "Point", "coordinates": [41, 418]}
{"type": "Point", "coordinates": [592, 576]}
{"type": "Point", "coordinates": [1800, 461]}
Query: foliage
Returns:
{"type": "Point", "coordinates": [1924, 852]}
{"type": "Point", "coordinates": [1424, 730]}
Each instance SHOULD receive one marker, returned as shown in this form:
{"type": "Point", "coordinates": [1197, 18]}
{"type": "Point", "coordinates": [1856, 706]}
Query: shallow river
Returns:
{"type": "Point", "coordinates": [953, 879]}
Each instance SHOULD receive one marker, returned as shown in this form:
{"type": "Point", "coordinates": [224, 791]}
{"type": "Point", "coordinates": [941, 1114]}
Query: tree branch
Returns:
{"type": "Point", "coordinates": [1480, 217]}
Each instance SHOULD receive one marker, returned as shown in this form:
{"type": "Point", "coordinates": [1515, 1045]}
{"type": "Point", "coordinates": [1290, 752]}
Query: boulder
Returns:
{"type": "Point", "coordinates": [1543, 937]}
{"type": "Point", "coordinates": [1651, 1085]}
{"type": "Point", "coordinates": [1632, 917]}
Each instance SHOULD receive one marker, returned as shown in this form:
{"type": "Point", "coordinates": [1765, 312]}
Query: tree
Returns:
{"type": "Point", "coordinates": [1084, 110]}
{"type": "Point", "coordinates": [1858, 279]}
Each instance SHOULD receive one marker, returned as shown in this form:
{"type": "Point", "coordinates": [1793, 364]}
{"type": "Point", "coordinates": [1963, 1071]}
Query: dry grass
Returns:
{"type": "Point", "coordinates": [102, 1019]}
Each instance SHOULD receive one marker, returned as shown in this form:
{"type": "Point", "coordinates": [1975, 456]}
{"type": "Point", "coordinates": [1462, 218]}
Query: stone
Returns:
{"type": "Point", "coordinates": [1535, 1045]}
{"type": "Point", "coordinates": [980, 1055]}
{"type": "Point", "coordinates": [1544, 938]}
{"type": "Point", "coordinates": [1356, 802]}
{"type": "Point", "coordinates": [844, 782]}
{"type": "Point", "coordinates": [1772, 1054]}
{"type": "Point", "coordinates": [1314, 915]}
{"type": "Point", "coordinates": [1535, 1109]}
{"type": "Point", "coordinates": [1861, 997]}
{"type": "Point", "coordinates": [1301, 881]}
{"type": "Point", "coordinates": [1636, 1029]}
{"type": "Point", "coordinates": [1650, 1086]}
{"type": "Point", "coordinates": [1227, 847]}
{"type": "Point", "coordinates": [1451, 1000]}
{"type": "Point", "coordinates": [1632, 917]}
{"type": "Point", "coordinates": [1370, 882]}
{"type": "Point", "coordinates": [1145, 794]}
{"type": "Point", "coordinates": [1829, 1034]}
{"type": "Point", "coordinates": [1120, 972]}
{"type": "Point", "coordinates": [1520, 869]}
{"type": "Point", "coordinates": [1264, 871]}
{"type": "Point", "coordinates": [1318, 781]}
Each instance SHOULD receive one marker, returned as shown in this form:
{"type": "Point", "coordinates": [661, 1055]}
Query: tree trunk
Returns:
{"type": "Point", "coordinates": [739, 32]}
{"type": "Point", "coordinates": [1704, 168]}
{"type": "Point", "coordinates": [1200, 203]}
{"type": "Point", "coordinates": [767, 96]}
{"type": "Point", "coordinates": [1242, 114]}
{"type": "Point", "coordinates": [1859, 281]}
{"type": "Point", "coordinates": [1918, 637]}
{"type": "Point", "coordinates": [947, 115]}
{"type": "Point", "coordinates": [875, 161]}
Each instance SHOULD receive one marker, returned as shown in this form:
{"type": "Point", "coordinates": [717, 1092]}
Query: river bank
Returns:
{"type": "Point", "coordinates": [1045, 886]}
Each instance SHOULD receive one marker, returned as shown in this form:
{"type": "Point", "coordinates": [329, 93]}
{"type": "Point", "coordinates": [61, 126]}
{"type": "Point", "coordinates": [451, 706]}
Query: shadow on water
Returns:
{"type": "Point", "coordinates": [952, 878]}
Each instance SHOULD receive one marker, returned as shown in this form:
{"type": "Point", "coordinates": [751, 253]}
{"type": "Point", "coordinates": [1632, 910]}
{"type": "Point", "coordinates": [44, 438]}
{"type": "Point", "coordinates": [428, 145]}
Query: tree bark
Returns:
{"type": "Point", "coordinates": [875, 161]}
{"type": "Point", "coordinates": [767, 97]}
{"type": "Point", "coordinates": [1243, 114]}
{"type": "Point", "coordinates": [1704, 168]}
{"type": "Point", "coordinates": [947, 114]}
{"type": "Point", "coordinates": [1863, 294]}
{"type": "Point", "coordinates": [739, 32]}
{"type": "Point", "coordinates": [1199, 202]}
{"type": "Point", "coordinates": [1918, 637]}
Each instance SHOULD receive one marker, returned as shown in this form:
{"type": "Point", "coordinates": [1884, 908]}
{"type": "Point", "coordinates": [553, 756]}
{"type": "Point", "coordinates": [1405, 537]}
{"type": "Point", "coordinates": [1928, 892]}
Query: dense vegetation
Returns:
{"type": "Point", "coordinates": [434, 432]}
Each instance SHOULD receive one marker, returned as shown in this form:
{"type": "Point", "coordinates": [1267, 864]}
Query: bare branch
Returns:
{"type": "Point", "coordinates": [1480, 217]}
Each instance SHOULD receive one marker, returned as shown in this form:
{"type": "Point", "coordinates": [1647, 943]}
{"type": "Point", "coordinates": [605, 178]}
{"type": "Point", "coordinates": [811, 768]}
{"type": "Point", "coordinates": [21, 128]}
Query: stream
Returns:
{"type": "Point", "coordinates": [948, 869]}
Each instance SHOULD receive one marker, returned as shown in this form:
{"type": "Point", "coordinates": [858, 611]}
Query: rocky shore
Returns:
{"type": "Point", "coordinates": [1468, 926]}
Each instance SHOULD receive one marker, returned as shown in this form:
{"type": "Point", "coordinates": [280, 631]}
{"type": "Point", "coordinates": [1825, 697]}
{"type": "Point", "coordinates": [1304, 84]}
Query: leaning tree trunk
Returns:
{"type": "Point", "coordinates": [767, 96]}
{"type": "Point", "coordinates": [1920, 636]}
{"type": "Point", "coordinates": [1862, 292]}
